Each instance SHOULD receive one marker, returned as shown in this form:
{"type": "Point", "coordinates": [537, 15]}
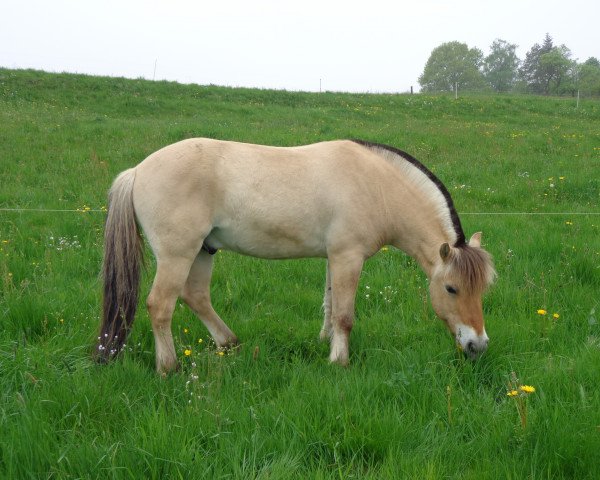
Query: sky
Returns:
{"type": "Point", "coordinates": [309, 45]}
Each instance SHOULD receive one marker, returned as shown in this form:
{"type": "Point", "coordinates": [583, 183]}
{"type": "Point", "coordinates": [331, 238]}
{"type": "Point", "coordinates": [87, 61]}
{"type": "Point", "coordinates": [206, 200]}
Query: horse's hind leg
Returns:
{"type": "Point", "coordinates": [171, 274]}
{"type": "Point", "coordinates": [326, 329]}
{"type": "Point", "coordinates": [196, 294]}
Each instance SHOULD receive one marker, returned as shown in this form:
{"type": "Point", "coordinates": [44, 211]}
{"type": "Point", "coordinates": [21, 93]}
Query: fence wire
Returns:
{"type": "Point", "coordinates": [88, 210]}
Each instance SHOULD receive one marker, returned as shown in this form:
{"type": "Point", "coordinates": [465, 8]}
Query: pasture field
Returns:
{"type": "Point", "coordinates": [408, 406]}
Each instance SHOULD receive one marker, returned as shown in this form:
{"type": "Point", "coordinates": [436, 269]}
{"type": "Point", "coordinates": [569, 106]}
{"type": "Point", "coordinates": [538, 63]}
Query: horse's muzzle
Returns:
{"type": "Point", "coordinates": [474, 348]}
{"type": "Point", "coordinates": [473, 344]}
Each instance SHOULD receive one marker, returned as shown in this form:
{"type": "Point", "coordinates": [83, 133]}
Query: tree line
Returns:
{"type": "Point", "coordinates": [547, 69]}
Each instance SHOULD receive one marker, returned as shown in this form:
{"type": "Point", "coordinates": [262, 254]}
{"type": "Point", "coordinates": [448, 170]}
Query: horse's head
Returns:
{"type": "Point", "coordinates": [456, 287]}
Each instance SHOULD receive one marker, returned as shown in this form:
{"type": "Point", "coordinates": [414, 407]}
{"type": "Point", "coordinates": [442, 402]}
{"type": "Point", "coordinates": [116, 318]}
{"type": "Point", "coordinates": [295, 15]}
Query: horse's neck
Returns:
{"type": "Point", "coordinates": [422, 241]}
{"type": "Point", "coordinates": [419, 217]}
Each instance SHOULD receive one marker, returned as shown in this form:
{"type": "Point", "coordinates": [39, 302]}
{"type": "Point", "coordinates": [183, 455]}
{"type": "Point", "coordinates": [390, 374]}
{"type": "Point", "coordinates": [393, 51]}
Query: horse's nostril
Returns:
{"type": "Point", "coordinates": [471, 347]}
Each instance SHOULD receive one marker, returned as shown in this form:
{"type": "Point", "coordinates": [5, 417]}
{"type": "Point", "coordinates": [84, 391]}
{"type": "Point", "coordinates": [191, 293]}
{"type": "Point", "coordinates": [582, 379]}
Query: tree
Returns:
{"type": "Point", "coordinates": [530, 72]}
{"type": "Point", "coordinates": [555, 68]}
{"type": "Point", "coordinates": [453, 63]}
{"type": "Point", "coordinates": [548, 69]}
{"type": "Point", "coordinates": [500, 67]}
{"type": "Point", "coordinates": [589, 77]}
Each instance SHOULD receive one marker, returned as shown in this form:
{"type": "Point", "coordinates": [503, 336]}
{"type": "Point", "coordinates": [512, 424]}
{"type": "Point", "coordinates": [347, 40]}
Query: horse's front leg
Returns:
{"type": "Point", "coordinates": [326, 329]}
{"type": "Point", "coordinates": [344, 273]}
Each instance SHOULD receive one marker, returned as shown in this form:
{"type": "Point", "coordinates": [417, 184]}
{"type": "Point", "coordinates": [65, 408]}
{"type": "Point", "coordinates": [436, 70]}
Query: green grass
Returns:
{"type": "Point", "coordinates": [409, 406]}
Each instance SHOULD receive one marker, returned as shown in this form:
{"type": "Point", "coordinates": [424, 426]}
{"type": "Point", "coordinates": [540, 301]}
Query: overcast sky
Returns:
{"type": "Point", "coordinates": [357, 46]}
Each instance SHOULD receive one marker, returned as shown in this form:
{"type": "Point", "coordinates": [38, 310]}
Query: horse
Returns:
{"type": "Point", "coordinates": [342, 200]}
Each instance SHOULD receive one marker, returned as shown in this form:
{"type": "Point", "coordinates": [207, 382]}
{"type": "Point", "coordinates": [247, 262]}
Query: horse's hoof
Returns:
{"type": "Point", "coordinates": [165, 369]}
{"type": "Point", "coordinates": [340, 360]}
{"type": "Point", "coordinates": [324, 336]}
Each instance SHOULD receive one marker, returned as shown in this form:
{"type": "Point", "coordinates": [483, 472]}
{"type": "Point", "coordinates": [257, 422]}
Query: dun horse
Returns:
{"type": "Point", "coordinates": [342, 200]}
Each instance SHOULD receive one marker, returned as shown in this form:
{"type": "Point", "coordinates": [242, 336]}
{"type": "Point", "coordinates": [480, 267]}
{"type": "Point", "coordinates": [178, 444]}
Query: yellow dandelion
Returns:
{"type": "Point", "coordinates": [384, 249]}
{"type": "Point", "coordinates": [200, 340]}
{"type": "Point", "coordinates": [185, 330]}
{"type": "Point", "coordinates": [541, 311]}
{"type": "Point", "coordinates": [187, 352]}
{"type": "Point", "coordinates": [556, 316]}
{"type": "Point", "coordinates": [220, 353]}
{"type": "Point", "coordinates": [527, 388]}
{"type": "Point", "coordinates": [512, 393]}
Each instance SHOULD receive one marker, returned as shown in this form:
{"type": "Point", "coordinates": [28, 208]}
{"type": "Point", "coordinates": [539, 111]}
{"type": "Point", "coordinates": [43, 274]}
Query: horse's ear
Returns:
{"type": "Point", "coordinates": [445, 251]}
{"type": "Point", "coordinates": [475, 240]}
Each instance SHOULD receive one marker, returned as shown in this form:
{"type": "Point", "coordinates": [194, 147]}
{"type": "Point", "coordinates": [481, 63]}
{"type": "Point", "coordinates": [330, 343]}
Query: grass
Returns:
{"type": "Point", "coordinates": [409, 405]}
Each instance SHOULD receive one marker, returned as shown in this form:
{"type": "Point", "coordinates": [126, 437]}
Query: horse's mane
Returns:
{"type": "Point", "coordinates": [434, 188]}
{"type": "Point", "coordinates": [473, 265]}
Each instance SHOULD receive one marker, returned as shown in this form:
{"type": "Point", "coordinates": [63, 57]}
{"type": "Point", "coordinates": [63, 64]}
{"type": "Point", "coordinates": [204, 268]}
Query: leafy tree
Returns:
{"type": "Point", "coordinates": [589, 77]}
{"type": "Point", "coordinates": [548, 69]}
{"type": "Point", "coordinates": [500, 67]}
{"type": "Point", "coordinates": [592, 62]}
{"type": "Point", "coordinates": [453, 63]}
{"type": "Point", "coordinates": [530, 71]}
{"type": "Point", "coordinates": [556, 67]}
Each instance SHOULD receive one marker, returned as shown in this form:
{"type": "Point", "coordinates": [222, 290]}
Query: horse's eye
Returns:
{"type": "Point", "coordinates": [451, 290]}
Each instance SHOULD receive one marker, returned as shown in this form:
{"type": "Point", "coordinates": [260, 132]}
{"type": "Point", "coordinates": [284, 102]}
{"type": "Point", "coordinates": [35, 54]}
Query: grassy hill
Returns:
{"type": "Point", "coordinates": [409, 405]}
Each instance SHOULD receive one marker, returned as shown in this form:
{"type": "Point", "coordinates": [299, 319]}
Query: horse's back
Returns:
{"type": "Point", "coordinates": [261, 200]}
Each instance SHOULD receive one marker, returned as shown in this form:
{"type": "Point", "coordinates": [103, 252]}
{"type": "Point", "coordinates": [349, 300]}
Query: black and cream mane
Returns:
{"type": "Point", "coordinates": [473, 265]}
{"type": "Point", "coordinates": [449, 214]}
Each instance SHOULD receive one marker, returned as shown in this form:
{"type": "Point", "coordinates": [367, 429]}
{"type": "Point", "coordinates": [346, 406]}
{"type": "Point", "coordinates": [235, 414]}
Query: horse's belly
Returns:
{"type": "Point", "coordinates": [268, 240]}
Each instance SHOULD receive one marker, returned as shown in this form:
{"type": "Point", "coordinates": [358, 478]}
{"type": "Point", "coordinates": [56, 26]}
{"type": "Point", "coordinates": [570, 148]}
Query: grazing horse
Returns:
{"type": "Point", "coordinates": [342, 200]}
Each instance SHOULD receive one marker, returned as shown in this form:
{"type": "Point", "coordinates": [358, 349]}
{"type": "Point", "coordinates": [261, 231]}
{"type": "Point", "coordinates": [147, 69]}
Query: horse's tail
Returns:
{"type": "Point", "coordinates": [121, 268]}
